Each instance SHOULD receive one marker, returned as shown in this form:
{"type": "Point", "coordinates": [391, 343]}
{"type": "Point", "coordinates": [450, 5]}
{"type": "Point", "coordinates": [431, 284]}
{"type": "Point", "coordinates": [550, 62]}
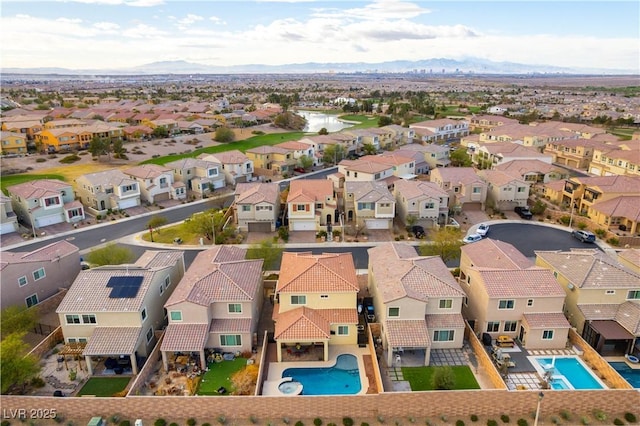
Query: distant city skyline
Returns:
{"type": "Point", "coordinates": [116, 34]}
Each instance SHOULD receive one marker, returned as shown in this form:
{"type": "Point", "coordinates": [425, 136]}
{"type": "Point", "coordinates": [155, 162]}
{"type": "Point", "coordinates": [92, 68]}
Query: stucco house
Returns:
{"type": "Point", "coordinates": [369, 204]}
{"type": "Point", "coordinates": [156, 183]}
{"type": "Point", "coordinates": [505, 191]}
{"type": "Point", "coordinates": [311, 205]}
{"type": "Point", "coordinates": [109, 189]}
{"type": "Point", "coordinates": [425, 201]}
{"type": "Point", "coordinates": [467, 191]}
{"type": "Point", "coordinates": [533, 171]}
{"type": "Point", "coordinates": [8, 218]}
{"type": "Point", "coordinates": [200, 177]}
{"type": "Point", "coordinates": [13, 143]}
{"type": "Point", "coordinates": [236, 166]}
{"type": "Point", "coordinates": [432, 154]}
{"type": "Point", "coordinates": [441, 130]}
{"type": "Point", "coordinates": [215, 306]}
{"type": "Point", "coordinates": [256, 206]}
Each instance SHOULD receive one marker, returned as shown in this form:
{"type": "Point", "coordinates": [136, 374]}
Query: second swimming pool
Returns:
{"type": "Point", "coordinates": [341, 379]}
{"type": "Point", "coordinates": [568, 373]}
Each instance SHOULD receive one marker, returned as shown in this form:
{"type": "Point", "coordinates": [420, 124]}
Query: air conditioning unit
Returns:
{"type": "Point", "coordinates": [570, 286]}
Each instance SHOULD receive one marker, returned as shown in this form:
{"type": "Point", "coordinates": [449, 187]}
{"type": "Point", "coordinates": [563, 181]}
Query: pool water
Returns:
{"type": "Point", "coordinates": [341, 379]}
{"type": "Point", "coordinates": [572, 371]}
{"type": "Point", "coordinates": [632, 376]}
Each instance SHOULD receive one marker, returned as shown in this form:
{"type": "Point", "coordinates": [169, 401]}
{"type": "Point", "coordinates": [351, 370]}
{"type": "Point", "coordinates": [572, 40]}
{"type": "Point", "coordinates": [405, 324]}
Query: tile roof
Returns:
{"type": "Point", "coordinates": [219, 274]}
{"type": "Point", "coordinates": [185, 337]}
{"type": "Point", "coordinates": [302, 323]}
{"type": "Point", "coordinates": [448, 321]}
{"type": "Point", "coordinates": [623, 206]}
{"type": "Point", "coordinates": [388, 158]}
{"type": "Point", "coordinates": [628, 316]}
{"type": "Point", "coordinates": [411, 189]}
{"type": "Point", "coordinates": [48, 253]}
{"type": "Point", "coordinates": [463, 175]}
{"type": "Point", "coordinates": [598, 311]}
{"type": "Point", "coordinates": [156, 259]}
{"type": "Point", "coordinates": [407, 333]}
{"type": "Point", "coordinates": [113, 177]}
{"type": "Point", "coordinates": [189, 163]}
{"type": "Point", "coordinates": [631, 255]}
{"type": "Point", "coordinates": [230, 325]}
{"type": "Point", "coordinates": [306, 272]}
{"type": "Point", "coordinates": [590, 269]}
{"type": "Point", "coordinates": [399, 272]}
{"type": "Point", "coordinates": [496, 254]}
{"type": "Point", "coordinates": [546, 320]}
{"type": "Point", "coordinates": [363, 166]}
{"type": "Point", "coordinates": [610, 184]}
{"type": "Point", "coordinates": [538, 282]}
{"type": "Point", "coordinates": [500, 178]}
{"type": "Point", "coordinates": [522, 167]}
{"type": "Point", "coordinates": [38, 188]}
{"type": "Point", "coordinates": [310, 190]}
{"type": "Point", "coordinates": [227, 157]}
{"type": "Point", "coordinates": [368, 191]}
{"type": "Point", "coordinates": [147, 171]}
{"type": "Point", "coordinates": [112, 341]}
{"type": "Point", "coordinates": [257, 192]}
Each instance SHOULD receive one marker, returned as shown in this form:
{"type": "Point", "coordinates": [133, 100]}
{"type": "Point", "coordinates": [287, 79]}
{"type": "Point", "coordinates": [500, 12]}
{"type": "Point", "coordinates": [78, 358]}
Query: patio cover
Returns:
{"type": "Point", "coordinates": [611, 330]}
{"type": "Point", "coordinates": [231, 325]}
{"type": "Point", "coordinates": [185, 337]}
{"type": "Point", "coordinates": [407, 333]}
{"type": "Point", "coordinates": [113, 341]}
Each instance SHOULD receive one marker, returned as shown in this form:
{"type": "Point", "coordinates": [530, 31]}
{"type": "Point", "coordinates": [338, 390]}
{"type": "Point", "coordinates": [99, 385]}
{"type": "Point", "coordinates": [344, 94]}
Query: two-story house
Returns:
{"type": "Point", "coordinates": [465, 188]}
{"type": "Point", "coordinates": [236, 166]}
{"type": "Point", "coordinates": [8, 219]}
{"type": "Point", "coordinates": [200, 177]}
{"type": "Point", "coordinates": [316, 302]}
{"type": "Point", "coordinates": [403, 167]}
{"type": "Point", "coordinates": [279, 160]}
{"type": "Point", "coordinates": [299, 150]}
{"type": "Point", "coordinates": [369, 204]}
{"type": "Point", "coordinates": [532, 171]}
{"type": "Point", "coordinates": [156, 183]}
{"type": "Point", "coordinates": [602, 297]}
{"type": "Point", "coordinates": [29, 278]}
{"type": "Point", "coordinates": [489, 155]}
{"type": "Point", "coordinates": [13, 143]}
{"type": "Point", "coordinates": [311, 205]}
{"type": "Point", "coordinates": [417, 301]}
{"type": "Point", "coordinates": [44, 202]}
{"type": "Point", "coordinates": [215, 306]}
{"type": "Point", "coordinates": [109, 189]}
{"type": "Point", "coordinates": [425, 201]}
{"type": "Point", "coordinates": [398, 136]}
{"type": "Point", "coordinates": [574, 153]}
{"type": "Point", "coordinates": [256, 206]}
{"type": "Point", "coordinates": [115, 310]}
{"type": "Point", "coordinates": [441, 130]}
{"type": "Point", "coordinates": [433, 155]}
{"type": "Point", "coordinates": [505, 191]}
{"type": "Point", "coordinates": [361, 170]}
{"type": "Point", "coordinates": [623, 159]}
{"type": "Point", "coordinates": [508, 295]}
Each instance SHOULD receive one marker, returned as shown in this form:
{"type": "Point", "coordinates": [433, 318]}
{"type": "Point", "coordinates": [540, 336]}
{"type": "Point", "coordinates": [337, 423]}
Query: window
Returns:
{"type": "Point", "coordinates": [38, 274]}
{"type": "Point", "coordinates": [633, 294]}
{"type": "Point", "coordinates": [547, 335]}
{"type": "Point", "coordinates": [150, 335]}
{"type": "Point", "coordinates": [318, 205]}
{"type": "Point", "coordinates": [366, 206]}
{"type": "Point", "coordinates": [493, 326]}
{"type": "Point", "coordinates": [429, 205]}
{"type": "Point", "coordinates": [143, 314]}
{"type": "Point", "coordinates": [446, 303]}
{"type": "Point", "coordinates": [88, 319]}
{"type": "Point", "coordinates": [31, 300]}
{"type": "Point", "coordinates": [300, 207]}
{"type": "Point", "coordinates": [343, 330]}
{"type": "Point", "coordinates": [477, 190]}
{"type": "Point", "coordinates": [298, 300]}
{"type": "Point", "coordinates": [230, 340]}
{"type": "Point", "coordinates": [22, 281]}
{"type": "Point", "coordinates": [53, 201]}
{"type": "Point", "coordinates": [530, 302]}
{"type": "Point", "coordinates": [167, 281]}
{"type": "Point", "coordinates": [246, 208]}
{"type": "Point", "coordinates": [324, 296]}
{"type": "Point", "coordinates": [510, 325]}
{"type": "Point", "coordinates": [176, 315]}
{"type": "Point", "coordinates": [521, 189]}
{"type": "Point", "coordinates": [376, 176]}
{"type": "Point", "coordinates": [72, 319]}
{"type": "Point", "coordinates": [394, 312]}
{"type": "Point", "coordinates": [443, 335]}
{"type": "Point", "coordinates": [213, 172]}
{"type": "Point", "coordinates": [506, 304]}
{"type": "Point", "coordinates": [161, 289]}
{"type": "Point", "coordinates": [235, 308]}
{"type": "Point", "coordinates": [610, 292]}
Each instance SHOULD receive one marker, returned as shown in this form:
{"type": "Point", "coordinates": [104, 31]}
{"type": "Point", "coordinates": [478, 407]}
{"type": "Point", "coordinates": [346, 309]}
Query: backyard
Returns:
{"type": "Point", "coordinates": [421, 378]}
{"type": "Point", "coordinates": [219, 376]}
{"type": "Point", "coordinates": [104, 386]}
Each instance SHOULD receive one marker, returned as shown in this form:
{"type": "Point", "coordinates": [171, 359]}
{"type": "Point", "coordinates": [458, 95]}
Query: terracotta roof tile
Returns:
{"type": "Point", "coordinates": [495, 254]}
{"type": "Point", "coordinates": [306, 272]}
{"type": "Point", "coordinates": [112, 341]}
{"type": "Point", "coordinates": [230, 325]}
{"type": "Point", "coordinates": [185, 337]}
{"type": "Point", "coordinates": [538, 282]}
{"type": "Point", "coordinates": [407, 333]}
{"type": "Point", "coordinates": [546, 320]}
{"type": "Point", "coordinates": [444, 321]}
{"type": "Point", "coordinates": [598, 311]}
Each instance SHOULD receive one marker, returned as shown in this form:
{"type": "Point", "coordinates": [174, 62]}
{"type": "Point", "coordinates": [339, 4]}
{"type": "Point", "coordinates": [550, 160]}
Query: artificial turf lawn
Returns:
{"type": "Point", "coordinates": [421, 378]}
{"type": "Point", "coordinates": [219, 375]}
{"type": "Point", "coordinates": [104, 386]}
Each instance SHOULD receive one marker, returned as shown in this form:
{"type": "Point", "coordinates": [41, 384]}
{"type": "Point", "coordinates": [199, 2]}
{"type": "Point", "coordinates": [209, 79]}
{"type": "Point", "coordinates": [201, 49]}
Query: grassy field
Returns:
{"type": "Point", "coordinates": [168, 234]}
{"type": "Point", "coordinates": [219, 375]}
{"type": "Point", "coordinates": [420, 378]}
{"type": "Point", "coordinates": [104, 386]}
{"type": "Point", "coordinates": [623, 132]}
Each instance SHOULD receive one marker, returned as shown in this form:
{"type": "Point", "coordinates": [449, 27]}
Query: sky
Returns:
{"type": "Point", "coordinates": [116, 34]}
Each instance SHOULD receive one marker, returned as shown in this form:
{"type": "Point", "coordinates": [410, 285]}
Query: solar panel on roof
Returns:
{"type": "Point", "coordinates": [126, 287]}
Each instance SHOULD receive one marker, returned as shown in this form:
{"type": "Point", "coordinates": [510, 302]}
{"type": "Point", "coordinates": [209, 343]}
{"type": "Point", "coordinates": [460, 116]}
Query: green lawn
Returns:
{"type": "Point", "coordinates": [104, 386]}
{"type": "Point", "coordinates": [10, 180]}
{"type": "Point", "coordinates": [219, 375]}
{"type": "Point", "coordinates": [420, 378]}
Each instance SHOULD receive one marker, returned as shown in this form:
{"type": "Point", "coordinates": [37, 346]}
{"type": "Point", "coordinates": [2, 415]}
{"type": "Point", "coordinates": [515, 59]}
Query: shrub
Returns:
{"type": "Point", "coordinates": [600, 232]}
{"type": "Point", "coordinates": [347, 421]}
{"type": "Point", "coordinates": [253, 419]}
{"type": "Point", "coordinates": [299, 423]}
{"type": "Point", "coordinates": [69, 159]}
{"type": "Point", "coordinates": [555, 420]}
{"type": "Point", "coordinates": [364, 424]}
{"type": "Point", "coordinates": [37, 382]}
{"type": "Point", "coordinates": [443, 378]}
{"type": "Point", "coordinates": [581, 225]}
{"type": "Point", "coordinates": [160, 422]}
{"type": "Point", "coordinates": [99, 217]}
{"type": "Point", "coordinates": [40, 160]}
{"type": "Point", "coordinates": [523, 422]}
{"type": "Point", "coordinates": [317, 421]}
{"type": "Point", "coordinates": [6, 423]}
{"type": "Point", "coordinates": [630, 417]}
{"type": "Point", "coordinates": [283, 233]}
{"type": "Point", "coordinates": [565, 219]}
{"type": "Point", "coordinates": [286, 420]}
{"type": "Point", "coordinates": [125, 423]}
{"type": "Point", "coordinates": [585, 420]}
{"type": "Point", "coordinates": [613, 241]}
{"type": "Point", "coordinates": [173, 424]}
{"type": "Point", "coordinates": [505, 418]}
{"type": "Point", "coordinates": [191, 421]}
{"type": "Point", "coordinates": [492, 422]}
{"type": "Point", "coordinates": [222, 419]}
{"type": "Point", "coordinates": [474, 418]}
{"type": "Point", "coordinates": [380, 419]}
{"type": "Point", "coordinates": [565, 414]}
{"type": "Point", "coordinates": [618, 422]}
{"type": "Point", "coordinates": [459, 423]}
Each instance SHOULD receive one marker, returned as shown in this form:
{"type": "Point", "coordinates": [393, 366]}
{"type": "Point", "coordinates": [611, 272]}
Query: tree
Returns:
{"type": "Point", "coordinates": [160, 132]}
{"type": "Point", "coordinates": [444, 242]}
{"type": "Point", "coordinates": [203, 224]}
{"type": "Point", "coordinates": [17, 319]}
{"type": "Point", "coordinates": [538, 207]}
{"type": "Point", "coordinates": [384, 120]}
{"type": "Point", "coordinates": [224, 134]}
{"type": "Point", "coordinates": [333, 154]}
{"type": "Point", "coordinates": [244, 381]}
{"type": "Point", "coordinates": [16, 367]}
{"type": "Point", "coordinates": [111, 254]}
{"type": "Point", "coordinates": [118, 149]}
{"type": "Point", "coordinates": [305, 162]}
{"type": "Point", "coordinates": [460, 158]}
{"type": "Point", "coordinates": [443, 378]}
{"type": "Point", "coordinates": [269, 251]}
{"type": "Point", "coordinates": [99, 146]}
{"type": "Point", "coordinates": [156, 221]}
{"type": "Point", "coordinates": [323, 131]}
{"type": "Point", "coordinates": [369, 149]}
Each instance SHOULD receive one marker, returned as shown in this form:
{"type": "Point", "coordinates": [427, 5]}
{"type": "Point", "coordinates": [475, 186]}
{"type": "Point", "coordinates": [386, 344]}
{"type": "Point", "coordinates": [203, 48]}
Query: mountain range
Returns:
{"type": "Point", "coordinates": [425, 66]}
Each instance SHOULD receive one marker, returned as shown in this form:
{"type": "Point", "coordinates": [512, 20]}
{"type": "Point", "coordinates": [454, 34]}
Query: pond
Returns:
{"type": "Point", "coordinates": [318, 120]}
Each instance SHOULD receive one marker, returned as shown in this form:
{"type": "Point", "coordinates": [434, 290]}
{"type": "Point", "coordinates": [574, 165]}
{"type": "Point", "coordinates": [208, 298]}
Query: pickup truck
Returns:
{"type": "Point", "coordinates": [523, 212]}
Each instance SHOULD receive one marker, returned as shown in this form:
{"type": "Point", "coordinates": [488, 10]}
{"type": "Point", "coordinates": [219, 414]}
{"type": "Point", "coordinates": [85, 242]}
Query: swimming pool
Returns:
{"type": "Point", "coordinates": [632, 376]}
{"type": "Point", "coordinates": [341, 379]}
{"type": "Point", "coordinates": [569, 372]}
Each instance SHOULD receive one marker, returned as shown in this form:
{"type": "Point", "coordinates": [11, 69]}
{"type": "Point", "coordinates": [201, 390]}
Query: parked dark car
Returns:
{"type": "Point", "coordinates": [584, 236]}
{"type": "Point", "coordinates": [418, 231]}
{"type": "Point", "coordinates": [369, 309]}
{"type": "Point", "coordinates": [523, 212]}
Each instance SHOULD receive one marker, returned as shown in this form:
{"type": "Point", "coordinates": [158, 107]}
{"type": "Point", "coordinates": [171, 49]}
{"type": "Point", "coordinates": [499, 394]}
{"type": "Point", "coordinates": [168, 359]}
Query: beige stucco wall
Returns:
{"type": "Point", "coordinates": [335, 300]}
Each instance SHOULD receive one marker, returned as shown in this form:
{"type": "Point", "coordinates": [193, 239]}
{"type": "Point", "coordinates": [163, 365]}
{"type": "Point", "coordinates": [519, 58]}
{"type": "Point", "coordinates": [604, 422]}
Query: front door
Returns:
{"type": "Point", "coordinates": [522, 335]}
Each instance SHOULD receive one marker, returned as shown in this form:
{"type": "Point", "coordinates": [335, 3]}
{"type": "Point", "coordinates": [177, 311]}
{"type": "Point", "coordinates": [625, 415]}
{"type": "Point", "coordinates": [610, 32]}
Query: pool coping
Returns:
{"type": "Point", "coordinates": [540, 370]}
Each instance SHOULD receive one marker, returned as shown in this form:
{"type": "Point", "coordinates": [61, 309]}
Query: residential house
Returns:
{"type": "Point", "coordinates": [256, 206]}
{"type": "Point", "coordinates": [434, 155]}
{"type": "Point", "coordinates": [623, 159]}
{"type": "Point", "coordinates": [489, 155]}
{"type": "Point", "coordinates": [362, 170]}
{"type": "Point", "coordinates": [440, 131]}
{"type": "Point", "coordinates": [398, 136]}
{"type": "Point", "coordinates": [403, 167]}
{"type": "Point", "coordinates": [311, 205]}
{"type": "Point", "coordinates": [8, 219]}
{"type": "Point", "coordinates": [465, 188]}
{"type": "Point", "coordinates": [365, 137]}
{"type": "Point", "coordinates": [506, 294]}
{"type": "Point", "coordinates": [278, 160]}
{"type": "Point", "coordinates": [107, 190]}
{"type": "Point", "coordinates": [29, 278]}
{"type": "Point", "coordinates": [114, 311]}
{"type": "Point", "coordinates": [369, 204]}
{"type": "Point", "coordinates": [417, 301]}
{"type": "Point", "coordinates": [236, 166]}
{"type": "Point", "coordinates": [200, 177]}
{"type": "Point", "coordinates": [156, 183]}
{"type": "Point", "coordinates": [425, 201]}
{"type": "Point", "coordinates": [316, 302]}
{"type": "Point", "coordinates": [504, 191]}
{"type": "Point", "coordinates": [630, 258]}
{"type": "Point", "coordinates": [299, 149]}
{"type": "Point", "coordinates": [574, 153]}
{"type": "Point", "coordinates": [532, 171]}
{"type": "Point", "coordinates": [602, 297]}
{"type": "Point", "coordinates": [44, 202]}
{"type": "Point", "coordinates": [215, 306]}
{"type": "Point", "coordinates": [78, 137]}
{"type": "Point", "coordinates": [13, 143]}
{"type": "Point", "coordinates": [27, 125]}
{"type": "Point", "coordinates": [488, 122]}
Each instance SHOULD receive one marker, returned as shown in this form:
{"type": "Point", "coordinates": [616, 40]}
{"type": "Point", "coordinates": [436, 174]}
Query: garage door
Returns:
{"type": "Point", "coordinates": [6, 228]}
{"type": "Point", "coordinates": [125, 204]}
{"type": "Point", "coordinates": [162, 197]}
{"type": "Point", "coordinates": [48, 220]}
{"type": "Point", "coordinates": [377, 224]}
{"type": "Point", "coordinates": [469, 207]}
{"type": "Point", "coordinates": [305, 225]}
{"type": "Point", "coordinates": [218, 184]}
{"type": "Point", "coordinates": [259, 226]}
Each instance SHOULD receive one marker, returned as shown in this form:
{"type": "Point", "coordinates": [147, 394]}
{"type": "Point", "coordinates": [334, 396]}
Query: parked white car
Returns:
{"type": "Point", "coordinates": [483, 230]}
{"type": "Point", "coordinates": [471, 238]}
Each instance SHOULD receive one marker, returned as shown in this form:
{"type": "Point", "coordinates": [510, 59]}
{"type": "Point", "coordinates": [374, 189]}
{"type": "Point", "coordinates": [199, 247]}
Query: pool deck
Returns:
{"type": "Point", "coordinates": [633, 366]}
{"type": "Point", "coordinates": [541, 369]}
{"type": "Point", "coordinates": [274, 377]}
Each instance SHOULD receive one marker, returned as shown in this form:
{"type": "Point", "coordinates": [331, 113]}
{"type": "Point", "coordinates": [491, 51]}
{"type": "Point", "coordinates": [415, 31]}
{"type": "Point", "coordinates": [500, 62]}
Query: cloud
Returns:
{"type": "Point", "coordinates": [378, 9]}
{"type": "Point", "coordinates": [190, 19]}
{"type": "Point", "coordinates": [133, 3]}
{"type": "Point", "coordinates": [106, 26]}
